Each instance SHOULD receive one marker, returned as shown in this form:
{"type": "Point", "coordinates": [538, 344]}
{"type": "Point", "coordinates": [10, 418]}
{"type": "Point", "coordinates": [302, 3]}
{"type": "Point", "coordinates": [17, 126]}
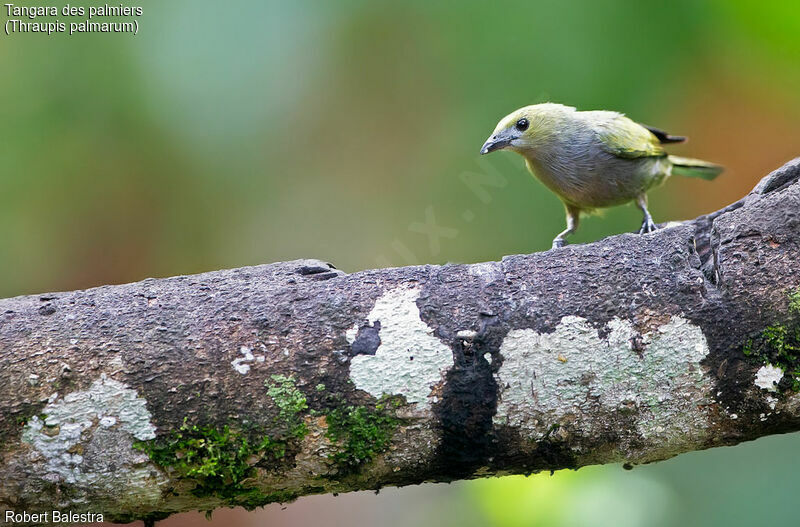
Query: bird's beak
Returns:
{"type": "Point", "coordinates": [498, 141]}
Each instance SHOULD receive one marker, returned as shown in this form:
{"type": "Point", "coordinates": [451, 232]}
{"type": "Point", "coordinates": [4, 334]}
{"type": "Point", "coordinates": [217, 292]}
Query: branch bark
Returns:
{"type": "Point", "coordinates": [253, 385]}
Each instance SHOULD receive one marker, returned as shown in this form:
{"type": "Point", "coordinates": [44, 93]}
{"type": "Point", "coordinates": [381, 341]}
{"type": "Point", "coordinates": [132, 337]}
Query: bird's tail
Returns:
{"type": "Point", "coordinates": [688, 167]}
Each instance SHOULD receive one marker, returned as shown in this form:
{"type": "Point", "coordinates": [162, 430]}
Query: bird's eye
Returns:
{"type": "Point", "coordinates": [522, 125]}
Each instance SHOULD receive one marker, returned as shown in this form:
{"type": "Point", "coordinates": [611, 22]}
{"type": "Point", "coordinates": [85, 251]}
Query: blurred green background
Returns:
{"type": "Point", "coordinates": [231, 134]}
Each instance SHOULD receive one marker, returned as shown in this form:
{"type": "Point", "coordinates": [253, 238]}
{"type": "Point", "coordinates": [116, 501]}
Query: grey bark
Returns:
{"type": "Point", "coordinates": [627, 350]}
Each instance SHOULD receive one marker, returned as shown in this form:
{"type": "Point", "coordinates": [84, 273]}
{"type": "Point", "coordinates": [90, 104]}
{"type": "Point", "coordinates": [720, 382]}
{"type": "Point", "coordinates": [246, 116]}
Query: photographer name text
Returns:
{"type": "Point", "coordinates": [25, 517]}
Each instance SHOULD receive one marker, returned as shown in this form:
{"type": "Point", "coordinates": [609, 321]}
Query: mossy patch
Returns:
{"type": "Point", "coordinates": [779, 345]}
{"type": "Point", "coordinates": [222, 461]}
{"type": "Point", "coordinates": [219, 460]}
{"type": "Point", "coordinates": [291, 404]}
{"type": "Point", "coordinates": [362, 432]}
{"type": "Point", "coordinates": [794, 301]}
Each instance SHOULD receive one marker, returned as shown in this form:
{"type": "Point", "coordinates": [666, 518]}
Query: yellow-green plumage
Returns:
{"type": "Point", "coordinates": [688, 167]}
{"type": "Point", "coordinates": [592, 159]}
{"type": "Point", "coordinates": [624, 138]}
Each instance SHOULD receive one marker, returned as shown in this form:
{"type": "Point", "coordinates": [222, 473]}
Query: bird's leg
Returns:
{"type": "Point", "coordinates": [647, 223]}
{"type": "Point", "coordinates": [573, 219]}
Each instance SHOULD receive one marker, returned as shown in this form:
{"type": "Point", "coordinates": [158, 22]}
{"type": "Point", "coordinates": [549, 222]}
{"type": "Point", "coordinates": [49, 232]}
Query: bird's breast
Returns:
{"type": "Point", "coordinates": [593, 179]}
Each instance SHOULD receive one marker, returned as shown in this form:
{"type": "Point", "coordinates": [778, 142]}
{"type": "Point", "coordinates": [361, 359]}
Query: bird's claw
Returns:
{"type": "Point", "coordinates": [648, 226]}
{"type": "Point", "coordinates": [558, 243]}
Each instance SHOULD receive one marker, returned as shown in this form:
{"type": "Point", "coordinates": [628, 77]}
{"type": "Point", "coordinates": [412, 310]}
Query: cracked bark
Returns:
{"type": "Point", "coordinates": [625, 350]}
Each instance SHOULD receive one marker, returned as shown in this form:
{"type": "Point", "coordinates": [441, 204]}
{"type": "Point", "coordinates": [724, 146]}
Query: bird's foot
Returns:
{"type": "Point", "coordinates": [648, 226]}
{"type": "Point", "coordinates": [559, 242]}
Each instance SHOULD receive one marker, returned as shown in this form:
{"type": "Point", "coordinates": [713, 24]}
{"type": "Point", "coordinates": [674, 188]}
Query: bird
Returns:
{"type": "Point", "coordinates": [593, 159]}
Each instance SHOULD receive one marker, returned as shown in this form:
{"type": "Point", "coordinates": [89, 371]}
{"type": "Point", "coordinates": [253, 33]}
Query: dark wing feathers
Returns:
{"type": "Point", "coordinates": [664, 137]}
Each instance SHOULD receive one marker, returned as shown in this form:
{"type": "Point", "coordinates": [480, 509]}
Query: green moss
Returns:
{"type": "Point", "coordinates": [291, 404]}
{"type": "Point", "coordinates": [259, 499]}
{"type": "Point", "coordinates": [221, 461]}
{"type": "Point", "coordinates": [218, 460]}
{"type": "Point", "coordinates": [320, 387]}
{"type": "Point", "coordinates": [779, 344]}
{"type": "Point", "coordinates": [794, 301]}
{"type": "Point", "coordinates": [361, 432]}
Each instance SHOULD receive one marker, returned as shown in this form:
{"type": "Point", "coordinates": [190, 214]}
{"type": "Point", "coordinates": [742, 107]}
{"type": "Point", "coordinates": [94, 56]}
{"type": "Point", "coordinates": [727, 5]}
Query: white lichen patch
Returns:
{"type": "Point", "coordinates": [410, 359]}
{"type": "Point", "coordinates": [488, 272]}
{"type": "Point", "coordinates": [86, 441]}
{"type": "Point", "coordinates": [574, 376]}
{"type": "Point", "coordinates": [772, 402]}
{"type": "Point", "coordinates": [242, 364]}
{"type": "Point", "coordinates": [768, 377]}
{"type": "Point", "coordinates": [351, 334]}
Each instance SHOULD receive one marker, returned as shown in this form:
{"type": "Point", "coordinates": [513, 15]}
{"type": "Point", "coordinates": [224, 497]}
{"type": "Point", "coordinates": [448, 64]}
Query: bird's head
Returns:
{"type": "Point", "coordinates": [525, 129]}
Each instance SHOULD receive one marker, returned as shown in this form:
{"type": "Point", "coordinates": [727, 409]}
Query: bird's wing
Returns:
{"type": "Point", "coordinates": [622, 137]}
{"type": "Point", "coordinates": [664, 137]}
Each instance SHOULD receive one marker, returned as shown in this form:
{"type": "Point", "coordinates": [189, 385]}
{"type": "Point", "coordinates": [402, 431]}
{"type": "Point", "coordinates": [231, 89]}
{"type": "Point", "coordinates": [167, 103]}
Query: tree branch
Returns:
{"type": "Point", "coordinates": [254, 385]}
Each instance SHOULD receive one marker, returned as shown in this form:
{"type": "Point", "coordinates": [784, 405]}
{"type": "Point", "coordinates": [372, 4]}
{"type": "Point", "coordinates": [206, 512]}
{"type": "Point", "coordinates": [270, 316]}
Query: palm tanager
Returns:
{"type": "Point", "coordinates": [593, 159]}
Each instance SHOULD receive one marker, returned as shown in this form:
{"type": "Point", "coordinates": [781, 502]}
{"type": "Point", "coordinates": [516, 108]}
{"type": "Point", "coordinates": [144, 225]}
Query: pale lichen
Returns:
{"type": "Point", "coordinates": [242, 364]}
{"type": "Point", "coordinates": [768, 377]}
{"type": "Point", "coordinates": [85, 440]}
{"type": "Point", "coordinates": [574, 376]}
{"type": "Point", "coordinates": [410, 360]}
